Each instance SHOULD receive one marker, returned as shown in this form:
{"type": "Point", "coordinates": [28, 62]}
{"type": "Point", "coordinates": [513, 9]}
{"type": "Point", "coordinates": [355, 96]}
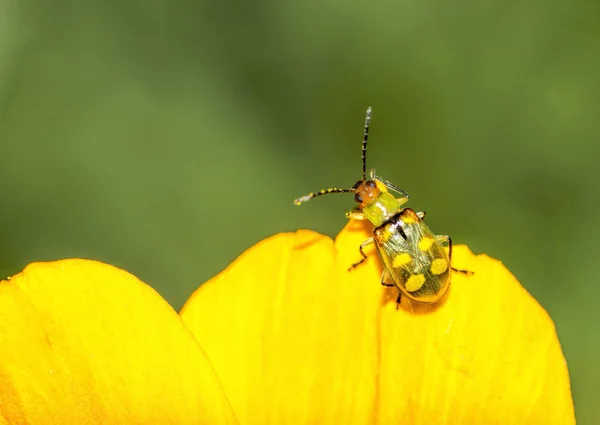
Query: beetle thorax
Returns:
{"type": "Point", "coordinates": [376, 205]}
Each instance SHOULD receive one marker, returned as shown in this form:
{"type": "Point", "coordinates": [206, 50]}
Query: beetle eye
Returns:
{"type": "Point", "coordinates": [358, 198]}
{"type": "Point", "coordinates": [371, 183]}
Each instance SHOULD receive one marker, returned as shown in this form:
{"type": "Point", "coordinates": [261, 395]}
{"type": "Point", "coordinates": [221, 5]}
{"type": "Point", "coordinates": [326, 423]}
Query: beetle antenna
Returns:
{"type": "Point", "coordinates": [311, 195]}
{"type": "Point", "coordinates": [364, 143]}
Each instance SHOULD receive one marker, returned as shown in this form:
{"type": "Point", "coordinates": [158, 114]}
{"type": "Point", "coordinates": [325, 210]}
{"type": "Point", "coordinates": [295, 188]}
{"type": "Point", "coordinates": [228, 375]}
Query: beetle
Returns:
{"type": "Point", "coordinates": [416, 261]}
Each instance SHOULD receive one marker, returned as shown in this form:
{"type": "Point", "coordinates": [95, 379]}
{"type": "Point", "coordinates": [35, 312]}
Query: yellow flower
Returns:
{"type": "Point", "coordinates": [297, 339]}
{"type": "Point", "coordinates": [294, 338]}
{"type": "Point", "coordinates": [82, 342]}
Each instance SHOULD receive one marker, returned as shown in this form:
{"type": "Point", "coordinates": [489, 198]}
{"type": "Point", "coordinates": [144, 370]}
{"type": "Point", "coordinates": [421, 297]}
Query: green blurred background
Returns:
{"type": "Point", "coordinates": [166, 137]}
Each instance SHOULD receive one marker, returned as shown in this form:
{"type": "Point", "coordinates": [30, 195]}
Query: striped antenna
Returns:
{"type": "Point", "coordinates": [311, 195]}
{"type": "Point", "coordinates": [364, 143]}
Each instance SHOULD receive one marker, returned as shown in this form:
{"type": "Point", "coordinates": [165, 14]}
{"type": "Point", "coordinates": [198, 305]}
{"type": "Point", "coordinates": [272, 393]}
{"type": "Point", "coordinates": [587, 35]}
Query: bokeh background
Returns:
{"type": "Point", "coordinates": [166, 137]}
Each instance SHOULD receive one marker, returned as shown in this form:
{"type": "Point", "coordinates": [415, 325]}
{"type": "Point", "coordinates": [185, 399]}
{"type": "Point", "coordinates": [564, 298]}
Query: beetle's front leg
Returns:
{"type": "Point", "coordinates": [356, 214]}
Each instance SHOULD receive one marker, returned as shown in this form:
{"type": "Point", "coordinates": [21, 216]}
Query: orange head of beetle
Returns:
{"type": "Point", "coordinates": [365, 192]}
{"type": "Point", "coordinates": [376, 204]}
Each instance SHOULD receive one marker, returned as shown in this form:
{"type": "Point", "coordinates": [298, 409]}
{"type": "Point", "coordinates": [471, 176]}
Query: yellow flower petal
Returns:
{"type": "Point", "coordinates": [82, 342]}
{"type": "Point", "coordinates": [296, 338]}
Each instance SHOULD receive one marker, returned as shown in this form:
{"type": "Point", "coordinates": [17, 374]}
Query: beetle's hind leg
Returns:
{"type": "Point", "coordinates": [362, 252]}
{"type": "Point", "coordinates": [398, 300]}
{"type": "Point", "coordinates": [467, 272]}
{"type": "Point", "coordinates": [446, 239]}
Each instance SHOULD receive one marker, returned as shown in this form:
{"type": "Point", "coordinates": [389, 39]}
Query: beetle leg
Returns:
{"type": "Point", "coordinates": [356, 214]}
{"type": "Point", "coordinates": [362, 246]}
{"type": "Point", "coordinates": [384, 276]}
{"type": "Point", "coordinates": [467, 272]}
{"type": "Point", "coordinates": [402, 200]}
{"type": "Point", "coordinates": [398, 300]}
{"type": "Point", "coordinates": [443, 239]}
